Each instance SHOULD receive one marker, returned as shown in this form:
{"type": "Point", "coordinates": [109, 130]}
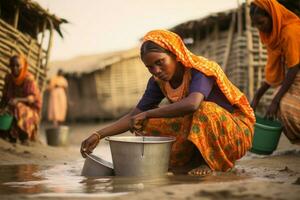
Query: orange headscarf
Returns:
{"type": "Point", "coordinates": [24, 67]}
{"type": "Point", "coordinates": [282, 43]}
{"type": "Point", "coordinates": [174, 43]}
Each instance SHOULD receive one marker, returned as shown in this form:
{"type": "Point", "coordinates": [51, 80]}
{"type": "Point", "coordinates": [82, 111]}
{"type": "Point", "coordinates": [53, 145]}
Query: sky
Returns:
{"type": "Point", "coordinates": [98, 26]}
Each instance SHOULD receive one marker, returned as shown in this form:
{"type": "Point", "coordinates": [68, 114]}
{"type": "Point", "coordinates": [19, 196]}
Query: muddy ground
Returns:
{"type": "Point", "coordinates": [254, 177]}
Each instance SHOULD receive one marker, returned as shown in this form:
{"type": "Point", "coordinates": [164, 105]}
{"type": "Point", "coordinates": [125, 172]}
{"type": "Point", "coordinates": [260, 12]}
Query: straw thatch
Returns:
{"type": "Point", "coordinates": [32, 16]}
{"type": "Point", "coordinates": [103, 86]}
{"type": "Point", "coordinates": [23, 29]}
{"type": "Point", "coordinates": [228, 38]}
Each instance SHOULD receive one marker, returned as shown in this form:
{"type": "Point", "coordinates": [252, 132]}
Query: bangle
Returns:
{"type": "Point", "coordinates": [98, 135]}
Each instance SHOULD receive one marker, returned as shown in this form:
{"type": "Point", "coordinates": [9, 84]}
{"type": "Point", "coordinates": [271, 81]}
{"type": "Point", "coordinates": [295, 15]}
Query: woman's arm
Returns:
{"type": "Point", "coordinates": [29, 99]}
{"type": "Point", "coordinates": [118, 127]}
{"type": "Point", "coordinates": [286, 84]}
{"type": "Point", "coordinates": [260, 92]}
{"type": "Point", "coordinates": [186, 106]}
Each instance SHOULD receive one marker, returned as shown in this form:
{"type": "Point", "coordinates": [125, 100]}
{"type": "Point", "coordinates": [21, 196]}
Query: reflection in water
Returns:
{"type": "Point", "coordinates": [66, 180]}
{"type": "Point", "coordinates": [19, 174]}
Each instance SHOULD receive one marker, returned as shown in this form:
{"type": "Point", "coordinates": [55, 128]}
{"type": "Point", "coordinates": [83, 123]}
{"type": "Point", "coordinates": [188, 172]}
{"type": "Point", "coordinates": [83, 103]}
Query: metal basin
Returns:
{"type": "Point", "coordinates": [95, 166]}
{"type": "Point", "coordinates": [140, 156]}
{"type": "Point", "coordinates": [57, 136]}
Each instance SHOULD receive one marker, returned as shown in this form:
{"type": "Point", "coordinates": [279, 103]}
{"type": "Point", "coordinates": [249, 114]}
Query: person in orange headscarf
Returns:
{"type": "Point", "coordinates": [22, 99]}
{"type": "Point", "coordinates": [57, 106]}
{"type": "Point", "coordinates": [279, 31]}
{"type": "Point", "coordinates": [210, 118]}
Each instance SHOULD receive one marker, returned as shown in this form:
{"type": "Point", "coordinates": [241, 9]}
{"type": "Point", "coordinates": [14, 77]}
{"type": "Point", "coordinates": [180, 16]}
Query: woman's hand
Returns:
{"type": "Point", "coordinates": [89, 144]}
{"type": "Point", "coordinates": [137, 122]}
{"type": "Point", "coordinates": [260, 92]}
{"type": "Point", "coordinates": [255, 102]}
{"type": "Point", "coordinates": [13, 102]}
{"type": "Point", "coordinates": [272, 110]}
{"type": "Point", "coordinates": [30, 99]}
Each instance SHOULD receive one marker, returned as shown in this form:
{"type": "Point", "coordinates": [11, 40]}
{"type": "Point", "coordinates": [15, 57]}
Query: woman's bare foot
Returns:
{"type": "Point", "coordinates": [200, 171]}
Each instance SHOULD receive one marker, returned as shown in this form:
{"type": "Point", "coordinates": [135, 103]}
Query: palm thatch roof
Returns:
{"type": "Point", "coordinates": [32, 18]}
{"type": "Point", "coordinates": [90, 63]}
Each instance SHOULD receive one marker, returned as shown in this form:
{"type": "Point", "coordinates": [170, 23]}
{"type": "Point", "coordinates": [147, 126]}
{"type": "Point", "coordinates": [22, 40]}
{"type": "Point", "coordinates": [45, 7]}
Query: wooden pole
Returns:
{"type": "Point", "coordinates": [207, 43]}
{"type": "Point", "coordinates": [260, 65]}
{"type": "Point", "coordinates": [216, 38]}
{"type": "Point", "coordinates": [240, 18]}
{"type": "Point", "coordinates": [48, 50]}
{"type": "Point", "coordinates": [229, 41]}
{"type": "Point", "coordinates": [250, 52]}
{"type": "Point", "coordinates": [49, 43]}
{"type": "Point", "coordinates": [39, 62]}
{"type": "Point", "coordinates": [239, 32]}
{"type": "Point", "coordinates": [16, 18]}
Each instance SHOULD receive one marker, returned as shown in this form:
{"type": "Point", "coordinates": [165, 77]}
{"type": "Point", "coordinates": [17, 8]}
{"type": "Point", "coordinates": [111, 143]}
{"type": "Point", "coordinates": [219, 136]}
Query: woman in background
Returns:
{"type": "Point", "coordinates": [279, 31]}
{"type": "Point", "coordinates": [22, 99]}
{"type": "Point", "coordinates": [57, 106]}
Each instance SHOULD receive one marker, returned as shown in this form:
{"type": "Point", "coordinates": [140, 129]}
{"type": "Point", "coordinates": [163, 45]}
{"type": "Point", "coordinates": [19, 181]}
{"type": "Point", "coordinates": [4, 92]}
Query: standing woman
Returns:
{"type": "Point", "coordinates": [210, 118]}
{"type": "Point", "coordinates": [22, 98]}
{"type": "Point", "coordinates": [279, 31]}
{"type": "Point", "coordinates": [57, 106]}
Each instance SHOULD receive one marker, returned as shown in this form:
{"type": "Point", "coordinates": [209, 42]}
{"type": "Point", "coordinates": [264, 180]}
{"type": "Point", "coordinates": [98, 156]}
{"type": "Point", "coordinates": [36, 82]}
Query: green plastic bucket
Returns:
{"type": "Point", "coordinates": [5, 122]}
{"type": "Point", "coordinates": [266, 136]}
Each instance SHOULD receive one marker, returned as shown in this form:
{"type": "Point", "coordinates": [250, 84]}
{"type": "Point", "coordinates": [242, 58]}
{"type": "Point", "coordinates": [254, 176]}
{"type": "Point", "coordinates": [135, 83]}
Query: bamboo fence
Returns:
{"type": "Point", "coordinates": [228, 38]}
{"type": "Point", "coordinates": [15, 40]}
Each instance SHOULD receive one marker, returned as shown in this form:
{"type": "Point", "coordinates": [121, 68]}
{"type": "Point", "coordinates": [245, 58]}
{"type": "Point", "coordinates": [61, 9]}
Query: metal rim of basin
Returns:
{"type": "Point", "coordinates": [63, 127]}
{"type": "Point", "coordinates": [100, 161]}
{"type": "Point", "coordinates": [143, 139]}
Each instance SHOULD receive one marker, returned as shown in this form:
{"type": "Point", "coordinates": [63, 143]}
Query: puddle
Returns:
{"type": "Point", "coordinates": [65, 180]}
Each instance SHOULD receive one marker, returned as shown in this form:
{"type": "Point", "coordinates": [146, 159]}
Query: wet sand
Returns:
{"type": "Point", "coordinates": [254, 177]}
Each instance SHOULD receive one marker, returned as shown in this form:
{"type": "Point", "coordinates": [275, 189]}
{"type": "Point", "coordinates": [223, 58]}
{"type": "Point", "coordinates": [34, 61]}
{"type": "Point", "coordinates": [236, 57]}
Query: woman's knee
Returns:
{"type": "Point", "coordinates": [210, 109]}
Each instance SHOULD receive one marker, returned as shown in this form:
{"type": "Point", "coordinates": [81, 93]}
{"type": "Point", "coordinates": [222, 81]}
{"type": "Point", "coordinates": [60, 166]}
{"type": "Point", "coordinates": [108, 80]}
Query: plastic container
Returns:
{"type": "Point", "coordinates": [5, 122]}
{"type": "Point", "coordinates": [266, 136]}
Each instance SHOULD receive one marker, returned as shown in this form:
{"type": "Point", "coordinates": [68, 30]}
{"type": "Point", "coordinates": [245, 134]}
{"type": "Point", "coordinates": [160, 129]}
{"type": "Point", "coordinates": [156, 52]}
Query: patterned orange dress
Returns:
{"type": "Point", "coordinates": [222, 137]}
{"type": "Point", "coordinates": [27, 116]}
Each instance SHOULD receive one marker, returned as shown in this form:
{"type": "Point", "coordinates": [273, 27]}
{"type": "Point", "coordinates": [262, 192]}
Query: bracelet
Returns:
{"type": "Point", "coordinates": [98, 136]}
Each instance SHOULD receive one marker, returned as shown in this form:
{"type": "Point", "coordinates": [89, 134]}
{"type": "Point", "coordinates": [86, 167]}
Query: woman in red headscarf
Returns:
{"type": "Point", "coordinates": [210, 118]}
{"type": "Point", "coordinates": [279, 31]}
{"type": "Point", "coordinates": [22, 99]}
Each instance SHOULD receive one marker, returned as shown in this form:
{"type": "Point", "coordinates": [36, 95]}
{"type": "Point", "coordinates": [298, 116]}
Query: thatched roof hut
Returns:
{"type": "Point", "coordinates": [24, 27]}
{"type": "Point", "coordinates": [228, 38]}
{"type": "Point", "coordinates": [104, 86]}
